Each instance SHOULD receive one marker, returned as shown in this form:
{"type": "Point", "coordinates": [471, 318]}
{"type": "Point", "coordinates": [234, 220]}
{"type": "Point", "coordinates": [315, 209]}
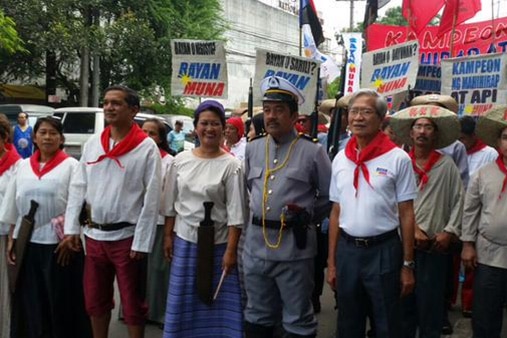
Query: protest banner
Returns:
{"type": "Point", "coordinates": [477, 83]}
{"type": "Point", "coordinates": [199, 69]}
{"type": "Point", "coordinates": [300, 71]}
{"type": "Point", "coordinates": [353, 43]}
{"type": "Point", "coordinates": [391, 70]}
{"type": "Point", "coordinates": [468, 39]}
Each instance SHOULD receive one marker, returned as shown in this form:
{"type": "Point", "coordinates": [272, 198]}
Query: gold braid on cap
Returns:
{"type": "Point", "coordinates": [281, 91]}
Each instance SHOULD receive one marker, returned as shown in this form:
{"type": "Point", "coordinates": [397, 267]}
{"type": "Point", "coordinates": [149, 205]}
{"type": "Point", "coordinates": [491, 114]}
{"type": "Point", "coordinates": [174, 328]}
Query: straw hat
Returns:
{"type": "Point", "coordinates": [256, 110]}
{"type": "Point", "coordinates": [491, 125]}
{"type": "Point", "coordinates": [446, 121]}
{"type": "Point", "coordinates": [327, 105]}
{"type": "Point", "coordinates": [323, 119]}
{"type": "Point", "coordinates": [445, 101]}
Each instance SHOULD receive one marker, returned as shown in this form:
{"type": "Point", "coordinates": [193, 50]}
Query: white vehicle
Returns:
{"type": "Point", "coordinates": [80, 123]}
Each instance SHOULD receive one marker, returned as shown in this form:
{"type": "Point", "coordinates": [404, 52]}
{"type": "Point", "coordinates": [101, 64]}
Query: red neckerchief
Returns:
{"type": "Point", "coordinates": [423, 173]}
{"type": "Point", "coordinates": [503, 169]}
{"type": "Point", "coordinates": [11, 156]}
{"type": "Point", "coordinates": [479, 145]}
{"type": "Point", "coordinates": [163, 153]}
{"type": "Point", "coordinates": [380, 145]}
{"type": "Point", "coordinates": [59, 157]}
{"type": "Point", "coordinates": [132, 140]}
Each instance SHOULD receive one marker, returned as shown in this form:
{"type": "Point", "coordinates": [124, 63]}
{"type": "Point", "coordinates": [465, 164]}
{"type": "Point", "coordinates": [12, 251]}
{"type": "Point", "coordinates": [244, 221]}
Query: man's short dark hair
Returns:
{"type": "Point", "coordinates": [131, 96]}
{"type": "Point", "coordinates": [467, 125]}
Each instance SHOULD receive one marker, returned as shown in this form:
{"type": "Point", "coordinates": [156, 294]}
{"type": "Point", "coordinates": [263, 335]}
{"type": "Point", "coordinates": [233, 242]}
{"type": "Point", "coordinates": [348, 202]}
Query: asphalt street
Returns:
{"type": "Point", "coordinates": [327, 322]}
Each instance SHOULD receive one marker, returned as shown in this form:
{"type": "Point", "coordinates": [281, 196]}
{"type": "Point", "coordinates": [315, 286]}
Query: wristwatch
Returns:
{"type": "Point", "coordinates": [409, 265]}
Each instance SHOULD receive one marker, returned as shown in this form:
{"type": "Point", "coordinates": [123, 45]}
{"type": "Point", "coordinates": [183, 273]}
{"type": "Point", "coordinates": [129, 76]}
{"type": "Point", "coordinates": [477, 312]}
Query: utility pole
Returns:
{"type": "Point", "coordinates": [351, 15]}
{"type": "Point", "coordinates": [351, 25]}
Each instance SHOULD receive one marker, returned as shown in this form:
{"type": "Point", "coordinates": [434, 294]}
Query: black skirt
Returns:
{"type": "Point", "coordinates": [49, 300]}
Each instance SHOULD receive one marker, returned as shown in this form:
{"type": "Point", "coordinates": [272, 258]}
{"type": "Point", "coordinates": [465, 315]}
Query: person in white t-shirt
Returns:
{"type": "Point", "coordinates": [234, 135]}
{"type": "Point", "coordinates": [478, 152]}
{"type": "Point", "coordinates": [373, 189]}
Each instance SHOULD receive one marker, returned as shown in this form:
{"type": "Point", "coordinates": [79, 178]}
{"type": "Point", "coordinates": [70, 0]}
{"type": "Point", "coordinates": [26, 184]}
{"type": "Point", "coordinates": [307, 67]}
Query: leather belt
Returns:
{"type": "Point", "coordinates": [270, 224]}
{"type": "Point", "coordinates": [365, 242]}
{"type": "Point", "coordinates": [110, 226]}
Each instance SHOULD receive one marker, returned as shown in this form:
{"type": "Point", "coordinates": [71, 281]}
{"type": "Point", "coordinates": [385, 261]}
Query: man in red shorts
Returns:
{"type": "Point", "coordinates": [119, 179]}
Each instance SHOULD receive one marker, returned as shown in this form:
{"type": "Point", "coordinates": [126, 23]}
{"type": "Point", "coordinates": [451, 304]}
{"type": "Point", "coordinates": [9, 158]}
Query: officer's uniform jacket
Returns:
{"type": "Point", "coordinates": [303, 181]}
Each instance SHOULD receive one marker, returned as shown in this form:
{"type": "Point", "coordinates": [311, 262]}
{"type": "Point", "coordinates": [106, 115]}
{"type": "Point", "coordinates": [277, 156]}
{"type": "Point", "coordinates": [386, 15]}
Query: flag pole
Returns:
{"type": "Point", "coordinates": [493, 35]}
{"type": "Point", "coordinates": [454, 18]}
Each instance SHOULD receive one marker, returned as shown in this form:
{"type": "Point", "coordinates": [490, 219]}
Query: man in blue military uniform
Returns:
{"type": "Point", "coordinates": [288, 177]}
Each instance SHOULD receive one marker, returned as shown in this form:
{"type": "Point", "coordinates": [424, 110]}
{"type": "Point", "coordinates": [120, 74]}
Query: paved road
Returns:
{"type": "Point", "coordinates": [327, 322]}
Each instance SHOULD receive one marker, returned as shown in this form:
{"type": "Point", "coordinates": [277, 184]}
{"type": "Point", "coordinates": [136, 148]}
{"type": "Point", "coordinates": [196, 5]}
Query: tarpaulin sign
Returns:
{"type": "Point", "coordinates": [199, 69]}
{"type": "Point", "coordinates": [477, 83]}
{"type": "Point", "coordinates": [300, 71]}
{"type": "Point", "coordinates": [391, 70]}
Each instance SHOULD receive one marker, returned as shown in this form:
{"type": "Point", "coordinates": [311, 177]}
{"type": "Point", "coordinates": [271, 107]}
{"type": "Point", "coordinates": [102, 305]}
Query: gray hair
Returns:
{"type": "Point", "coordinates": [380, 103]}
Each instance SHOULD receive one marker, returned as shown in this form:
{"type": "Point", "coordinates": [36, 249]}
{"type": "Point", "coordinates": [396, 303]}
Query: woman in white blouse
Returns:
{"type": "Point", "coordinates": [48, 301]}
{"type": "Point", "coordinates": [9, 158]}
{"type": "Point", "coordinates": [207, 173]}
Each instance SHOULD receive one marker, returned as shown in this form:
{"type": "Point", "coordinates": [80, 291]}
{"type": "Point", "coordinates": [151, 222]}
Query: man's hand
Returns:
{"type": "Point", "coordinates": [469, 255]}
{"type": "Point", "coordinates": [407, 281]}
{"type": "Point", "coordinates": [168, 247]}
{"type": "Point", "coordinates": [66, 248]}
{"type": "Point", "coordinates": [11, 256]}
{"type": "Point", "coordinates": [442, 241]}
{"type": "Point", "coordinates": [229, 261]}
{"type": "Point", "coordinates": [422, 241]}
{"type": "Point", "coordinates": [137, 255]}
{"type": "Point", "coordinates": [331, 276]}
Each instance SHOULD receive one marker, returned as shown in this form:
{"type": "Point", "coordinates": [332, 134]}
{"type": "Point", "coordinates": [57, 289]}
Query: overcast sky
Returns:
{"type": "Point", "coordinates": [336, 13]}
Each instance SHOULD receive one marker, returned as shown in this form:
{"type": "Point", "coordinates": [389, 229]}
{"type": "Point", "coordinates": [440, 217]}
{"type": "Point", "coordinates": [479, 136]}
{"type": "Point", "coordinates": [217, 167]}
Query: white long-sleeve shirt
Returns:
{"type": "Point", "coordinates": [5, 178]}
{"type": "Point", "coordinates": [50, 191]}
{"type": "Point", "coordinates": [129, 194]}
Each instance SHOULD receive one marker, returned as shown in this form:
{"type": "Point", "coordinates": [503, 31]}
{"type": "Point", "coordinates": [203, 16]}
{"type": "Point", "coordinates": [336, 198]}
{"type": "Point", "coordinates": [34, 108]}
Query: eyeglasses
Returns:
{"type": "Point", "coordinates": [362, 112]}
{"type": "Point", "coordinates": [427, 127]}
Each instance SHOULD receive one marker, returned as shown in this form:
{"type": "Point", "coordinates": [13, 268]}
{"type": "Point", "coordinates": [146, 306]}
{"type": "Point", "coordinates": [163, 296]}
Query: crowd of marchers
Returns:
{"type": "Point", "coordinates": [232, 238]}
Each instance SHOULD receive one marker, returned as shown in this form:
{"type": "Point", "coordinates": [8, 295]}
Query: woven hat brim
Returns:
{"type": "Point", "coordinates": [491, 125]}
{"type": "Point", "coordinates": [447, 123]}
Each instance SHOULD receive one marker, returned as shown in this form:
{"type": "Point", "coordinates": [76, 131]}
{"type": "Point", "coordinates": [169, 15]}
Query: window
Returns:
{"type": "Point", "coordinates": [79, 123]}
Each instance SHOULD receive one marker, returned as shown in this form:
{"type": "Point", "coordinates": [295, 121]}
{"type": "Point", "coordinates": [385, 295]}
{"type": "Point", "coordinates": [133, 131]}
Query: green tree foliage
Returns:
{"type": "Point", "coordinates": [10, 42]}
{"type": "Point", "coordinates": [132, 38]}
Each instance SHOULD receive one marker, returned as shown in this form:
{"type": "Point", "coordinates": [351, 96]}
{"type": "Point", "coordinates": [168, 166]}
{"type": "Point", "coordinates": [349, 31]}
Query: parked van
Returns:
{"type": "Point", "coordinates": [34, 111]}
{"type": "Point", "coordinates": [79, 124]}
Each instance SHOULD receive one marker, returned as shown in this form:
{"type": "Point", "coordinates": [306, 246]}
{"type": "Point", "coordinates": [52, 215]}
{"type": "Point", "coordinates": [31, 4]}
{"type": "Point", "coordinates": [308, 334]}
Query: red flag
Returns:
{"type": "Point", "coordinates": [457, 12]}
{"type": "Point", "coordinates": [420, 14]}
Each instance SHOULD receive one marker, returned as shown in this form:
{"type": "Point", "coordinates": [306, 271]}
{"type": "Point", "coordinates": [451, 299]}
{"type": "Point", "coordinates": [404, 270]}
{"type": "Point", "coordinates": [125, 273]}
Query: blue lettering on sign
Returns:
{"type": "Point", "coordinates": [390, 72]}
{"type": "Point", "coordinates": [300, 81]}
{"type": "Point", "coordinates": [198, 70]}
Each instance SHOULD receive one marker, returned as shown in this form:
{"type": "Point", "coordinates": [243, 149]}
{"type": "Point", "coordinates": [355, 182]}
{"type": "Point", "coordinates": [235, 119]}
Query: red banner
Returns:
{"type": "Point", "coordinates": [469, 39]}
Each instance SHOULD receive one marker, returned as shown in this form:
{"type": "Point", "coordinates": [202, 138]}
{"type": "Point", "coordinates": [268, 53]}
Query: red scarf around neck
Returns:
{"type": "Point", "coordinates": [163, 153]}
{"type": "Point", "coordinates": [423, 173]}
{"type": "Point", "coordinates": [10, 157]}
{"type": "Point", "coordinates": [503, 169]}
{"type": "Point", "coordinates": [380, 145]}
{"type": "Point", "coordinates": [479, 145]}
{"type": "Point", "coordinates": [131, 141]}
{"type": "Point", "coordinates": [59, 157]}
